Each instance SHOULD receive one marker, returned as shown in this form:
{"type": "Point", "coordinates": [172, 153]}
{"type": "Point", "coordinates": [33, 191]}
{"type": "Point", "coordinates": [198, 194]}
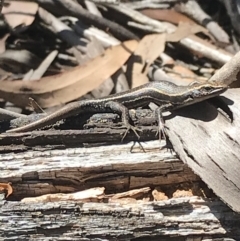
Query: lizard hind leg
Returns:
{"type": "Point", "coordinates": [124, 112]}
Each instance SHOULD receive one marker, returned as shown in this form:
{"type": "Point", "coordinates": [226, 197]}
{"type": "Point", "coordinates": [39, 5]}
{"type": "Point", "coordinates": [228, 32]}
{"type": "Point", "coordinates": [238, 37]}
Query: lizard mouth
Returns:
{"type": "Point", "coordinates": [192, 99]}
{"type": "Point", "coordinates": [218, 91]}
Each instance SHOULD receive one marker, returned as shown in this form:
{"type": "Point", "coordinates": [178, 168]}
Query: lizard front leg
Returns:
{"type": "Point", "coordinates": [124, 112]}
{"type": "Point", "coordinates": [161, 125]}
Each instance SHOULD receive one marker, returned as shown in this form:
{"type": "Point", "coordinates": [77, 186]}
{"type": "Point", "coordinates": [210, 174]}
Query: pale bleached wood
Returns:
{"type": "Point", "coordinates": [210, 145]}
{"type": "Point", "coordinates": [172, 220]}
{"type": "Point", "coordinates": [116, 167]}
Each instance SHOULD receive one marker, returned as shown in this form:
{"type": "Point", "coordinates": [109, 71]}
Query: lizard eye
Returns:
{"type": "Point", "coordinates": [208, 88]}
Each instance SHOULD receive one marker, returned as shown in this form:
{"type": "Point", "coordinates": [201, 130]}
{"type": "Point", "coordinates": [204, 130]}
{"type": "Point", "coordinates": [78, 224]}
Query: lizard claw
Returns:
{"type": "Point", "coordinates": [161, 125]}
{"type": "Point", "coordinates": [161, 133]}
{"type": "Point", "coordinates": [133, 128]}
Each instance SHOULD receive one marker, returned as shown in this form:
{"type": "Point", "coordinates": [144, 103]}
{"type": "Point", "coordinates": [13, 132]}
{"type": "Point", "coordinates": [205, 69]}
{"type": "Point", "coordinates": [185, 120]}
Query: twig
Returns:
{"type": "Point", "coordinates": [193, 10]}
{"type": "Point", "coordinates": [77, 11]}
{"type": "Point", "coordinates": [228, 73]}
{"type": "Point", "coordinates": [192, 42]}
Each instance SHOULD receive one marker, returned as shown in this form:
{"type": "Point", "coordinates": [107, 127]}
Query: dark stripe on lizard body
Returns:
{"type": "Point", "coordinates": [165, 94]}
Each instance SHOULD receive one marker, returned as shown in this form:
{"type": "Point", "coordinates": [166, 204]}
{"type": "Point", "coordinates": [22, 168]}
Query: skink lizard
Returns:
{"type": "Point", "coordinates": [166, 95]}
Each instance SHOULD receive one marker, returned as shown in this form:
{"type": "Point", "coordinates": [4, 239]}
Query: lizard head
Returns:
{"type": "Point", "coordinates": [205, 91]}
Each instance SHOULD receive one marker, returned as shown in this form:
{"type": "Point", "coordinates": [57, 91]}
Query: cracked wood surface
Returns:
{"type": "Point", "coordinates": [116, 167]}
{"type": "Point", "coordinates": [209, 144]}
{"type": "Point", "coordinates": [123, 167]}
{"type": "Point", "coordinates": [171, 220]}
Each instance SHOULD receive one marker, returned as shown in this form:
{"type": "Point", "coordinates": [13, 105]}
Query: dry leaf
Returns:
{"type": "Point", "coordinates": [166, 15]}
{"type": "Point", "coordinates": [176, 18]}
{"type": "Point", "coordinates": [70, 85]}
{"type": "Point", "coordinates": [6, 187]}
{"type": "Point", "coordinates": [149, 48]}
{"type": "Point", "coordinates": [20, 13]}
{"type": "Point", "coordinates": [184, 30]}
{"type": "Point", "coordinates": [183, 74]}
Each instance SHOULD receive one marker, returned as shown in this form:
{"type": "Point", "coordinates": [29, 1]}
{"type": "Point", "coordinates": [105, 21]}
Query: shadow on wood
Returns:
{"type": "Point", "coordinates": [210, 145]}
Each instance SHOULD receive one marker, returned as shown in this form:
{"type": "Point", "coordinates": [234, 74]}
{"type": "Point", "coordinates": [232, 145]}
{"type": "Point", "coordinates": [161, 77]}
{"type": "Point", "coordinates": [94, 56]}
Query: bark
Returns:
{"type": "Point", "coordinates": [125, 167]}
{"type": "Point", "coordinates": [176, 219]}
{"type": "Point", "coordinates": [209, 143]}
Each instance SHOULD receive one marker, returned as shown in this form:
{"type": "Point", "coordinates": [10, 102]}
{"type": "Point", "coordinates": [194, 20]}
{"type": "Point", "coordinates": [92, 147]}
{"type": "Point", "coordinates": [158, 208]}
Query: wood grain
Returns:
{"type": "Point", "coordinates": [181, 219]}
{"type": "Point", "coordinates": [209, 144]}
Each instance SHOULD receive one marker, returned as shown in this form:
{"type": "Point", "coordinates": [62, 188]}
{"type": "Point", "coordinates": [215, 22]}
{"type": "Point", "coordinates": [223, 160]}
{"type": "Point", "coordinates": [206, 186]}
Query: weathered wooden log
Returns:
{"type": "Point", "coordinates": [210, 144]}
{"type": "Point", "coordinates": [176, 219]}
{"type": "Point", "coordinates": [117, 168]}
